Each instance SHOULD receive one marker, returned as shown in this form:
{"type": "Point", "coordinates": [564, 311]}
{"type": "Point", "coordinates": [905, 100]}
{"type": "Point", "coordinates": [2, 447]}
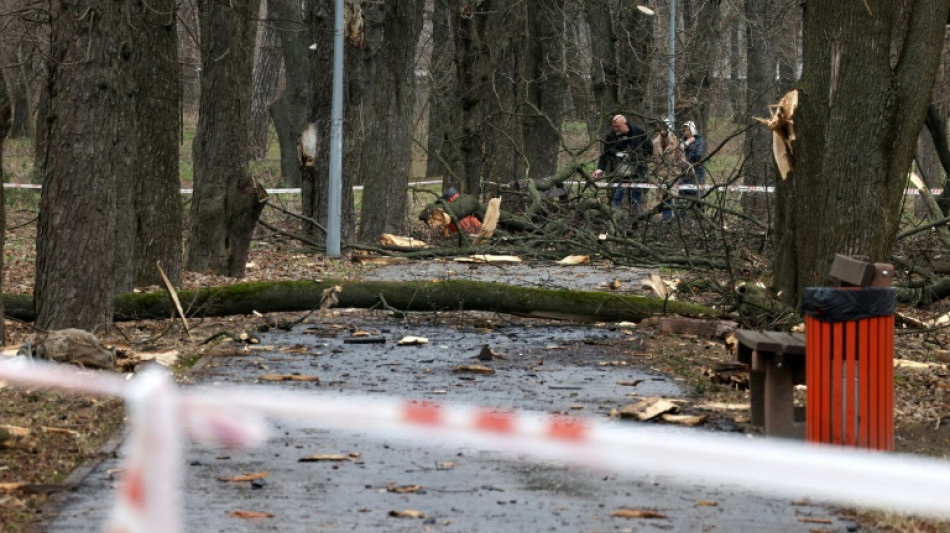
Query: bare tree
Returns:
{"type": "Point", "coordinates": [87, 157]}
{"type": "Point", "coordinates": [227, 200]}
{"type": "Point", "coordinates": [545, 87]}
{"type": "Point", "coordinates": [762, 89]}
{"type": "Point", "coordinates": [382, 112]}
{"type": "Point", "coordinates": [868, 69]}
{"type": "Point", "coordinates": [155, 210]}
{"type": "Point", "coordinates": [442, 143]}
{"type": "Point", "coordinates": [5, 121]}
{"type": "Point", "coordinates": [294, 24]}
{"type": "Point", "coordinates": [315, 188]}
{"type": "Point", "coordinates": [267, 66]}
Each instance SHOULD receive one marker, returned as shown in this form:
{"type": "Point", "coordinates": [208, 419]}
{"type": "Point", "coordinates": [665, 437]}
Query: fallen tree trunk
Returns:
{"type": "Point", "coordinates": [456, 295]}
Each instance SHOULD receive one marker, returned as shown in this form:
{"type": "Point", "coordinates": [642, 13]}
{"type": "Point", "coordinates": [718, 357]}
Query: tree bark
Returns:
{"type": "Point", "coordinates": [86, 160]}
{"type": "Point", "coordinates": [577, 61]}
{"type": "Point", "coordinates": [862, 74]}
{"type": "Point", "coordinates": [635, 48]}
{"type": "Point", "coordinates": [267, 66]}
{"type": "Point", "coordinates": [392, 33]}
{"type": "Point", "coordinates": [442, 143]}
{"type": "Point", "coordinates": [604, 77]}
{"type": "Point", "coordinates": [6, 115]}
{"type": "Point", "coordinates": [227, 200]}
{"type": "Point", "coordinates": [290, 110]}
{"type": "Point", "coordinates": [484, 62]}
{"type": "Point", "coordinates": [244, 298]}
{"type": "Point", "coordinates": [315, 188]}
{"type": "Point", "coordinates": [761, 91]}
{"type": "Point", "coordinates": [545, 86]}
{"type": "Point", "coordinates": [157, 208]}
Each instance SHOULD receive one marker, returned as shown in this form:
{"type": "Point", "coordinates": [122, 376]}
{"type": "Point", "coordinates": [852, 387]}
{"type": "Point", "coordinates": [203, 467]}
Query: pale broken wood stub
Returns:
{"type": "Point", "coordinates": [782, 124]}
{"type": "Point", "coordinates": [572, 260]}
{"type": "Point", "coordinates": [485, 258]}
{"type": "Point", "coordinates": [307, 145]}
{"type": "Point", "coordinates": [489, 223]}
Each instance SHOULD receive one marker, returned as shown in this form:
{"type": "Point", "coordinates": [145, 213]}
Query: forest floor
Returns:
{"type": "Point", "coordinates": [72, 430]}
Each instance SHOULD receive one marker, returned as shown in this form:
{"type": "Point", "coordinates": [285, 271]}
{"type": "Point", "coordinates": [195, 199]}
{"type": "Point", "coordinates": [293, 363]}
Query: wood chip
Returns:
{"type": "Point", "coordinates": [288, 377]}
{"type": "Point", "coordinates": [403, 489]}
{"type": "Point", "coordinates": [477, 369]}
{"type": "Point", "coordinates": [575, 260]}
{"type": "Point", "coordinates": [631, 383]}
{"type": "Point", "coordinates": [245, 477]}
{"type": "Point", "coordinates": [409, 340]}
{"type": "Point", "coordinates": [14, 486]}
{"type": "Point", "coordinates": [810, 520]}
{"type": "Point", "coordinates": [250, 514]}
{"type": "Point", "coordinates": [684, 420]}
{"type": "Point", "coordinates": [61, 431]}
{"type": "Point", "coordinates": [351, 456]}
{"type": "Point", "coordinates": [706, 503]}
{"type": "Point", "coordinates": [387, 239]}
{"type": "Point", "coordinates": [648, 408]}
{"type": "Point", "coordinates": [408, 513]}
{"type": "Point", "coordinates": [481, 258]}
{"type": "Point", "coordinates": [637, 513]}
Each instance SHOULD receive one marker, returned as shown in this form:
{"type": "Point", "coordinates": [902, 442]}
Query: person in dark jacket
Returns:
{"type": "Point", "coordinates": [626, 151]}
{"type": "Point", "coordinates": [695, 151]}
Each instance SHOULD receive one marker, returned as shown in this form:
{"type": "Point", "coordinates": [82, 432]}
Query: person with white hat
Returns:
{"type": "Point", "coordinates": [669, 163]}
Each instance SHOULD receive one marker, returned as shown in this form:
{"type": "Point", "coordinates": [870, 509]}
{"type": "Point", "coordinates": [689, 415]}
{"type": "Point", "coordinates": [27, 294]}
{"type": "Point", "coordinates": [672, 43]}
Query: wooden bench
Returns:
{"type": "Point", "coordinates": [776, 363]}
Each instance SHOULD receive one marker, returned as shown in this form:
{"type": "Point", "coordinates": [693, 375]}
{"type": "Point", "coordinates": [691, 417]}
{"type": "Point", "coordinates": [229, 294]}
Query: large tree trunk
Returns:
{"type": "Point", "coordinates": [866, 82]}
{"type": "Point", "coordinates": [442, 144]}
{"type": "Point", "coordinates": [5, 122]}
{"type": "Point", "coordinates": [189, 54]}
{"type": "Point", "coordinates": [484, 63]}
{"type": "Point", "coordinates": [266, 74]}
{"type": "Point", "coordinates": [761, 91]}
{"type": "Point", "coordinates": [226, 200]}
{"type": "Point", "coordinates": [157, 222]}
{"type": "Point", "coordinates": [315, 188]}
{"type": "Point", "coordinates": [456, 295]}
{"type": "Point", "coordinates": [604, 78]}
{"type": "Point", "coordinates": [86, 159]}
{"type": "Point", "coordinates": [389, 53]}
{"type": "Point", "coordinates": [702, 24]}
{"type": "Point", "coordinates": [577, 61]}
{"type": "Point", "coordinates": [291, 108]}
{"type": "Point", "coordinates": [545, 86]}
{"type": "Point", "coordinates": [634, 51]}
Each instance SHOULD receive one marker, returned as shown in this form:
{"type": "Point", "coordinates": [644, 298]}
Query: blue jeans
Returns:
{"type": "Point", "coordinates": [636, 196]}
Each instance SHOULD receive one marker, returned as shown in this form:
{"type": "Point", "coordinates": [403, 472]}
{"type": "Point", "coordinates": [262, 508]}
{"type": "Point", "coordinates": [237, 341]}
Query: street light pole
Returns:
{"type": "Point", "coordinates": [334, 202]}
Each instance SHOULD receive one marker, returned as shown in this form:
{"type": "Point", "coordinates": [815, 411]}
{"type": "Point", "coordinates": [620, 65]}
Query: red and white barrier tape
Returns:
{"type": "Point", "coordinates": [148, 500]}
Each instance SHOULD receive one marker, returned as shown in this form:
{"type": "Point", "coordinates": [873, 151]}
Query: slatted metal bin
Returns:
{"type": "Point", "coordinates": [849, 344]}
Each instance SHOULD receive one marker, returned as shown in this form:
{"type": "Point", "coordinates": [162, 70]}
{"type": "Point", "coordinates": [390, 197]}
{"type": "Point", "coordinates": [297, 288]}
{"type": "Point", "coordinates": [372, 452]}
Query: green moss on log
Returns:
{"type": "Point", "coordinates": [243, 298]}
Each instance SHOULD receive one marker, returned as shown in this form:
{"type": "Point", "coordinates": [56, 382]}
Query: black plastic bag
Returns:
{"type": "Point", "coordinates": [834, 304]}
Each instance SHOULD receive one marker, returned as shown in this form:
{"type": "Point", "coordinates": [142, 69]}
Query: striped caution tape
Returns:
{"type": "Point", "coordinates": [161, 415]}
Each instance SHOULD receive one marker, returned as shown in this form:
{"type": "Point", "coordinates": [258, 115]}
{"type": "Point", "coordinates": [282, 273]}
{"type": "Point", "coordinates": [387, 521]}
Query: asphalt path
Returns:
{"type": "Point", "coordinates": [540, 367]}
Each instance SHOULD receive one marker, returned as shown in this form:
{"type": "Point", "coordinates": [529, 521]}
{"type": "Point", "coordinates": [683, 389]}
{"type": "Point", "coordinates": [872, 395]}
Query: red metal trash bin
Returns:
{"type": "Point", "coordinates": [849, 345]}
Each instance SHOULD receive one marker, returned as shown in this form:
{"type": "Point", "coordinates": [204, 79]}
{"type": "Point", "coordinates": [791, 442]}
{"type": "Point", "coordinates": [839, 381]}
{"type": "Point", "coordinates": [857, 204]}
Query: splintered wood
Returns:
{"type": "Point", "coordinates": [783, 131]}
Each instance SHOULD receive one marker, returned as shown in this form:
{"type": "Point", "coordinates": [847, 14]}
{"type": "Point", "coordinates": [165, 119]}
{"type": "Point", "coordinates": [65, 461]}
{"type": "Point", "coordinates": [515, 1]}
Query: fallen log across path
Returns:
{"type": "Point", "coordinates": [453, 295]}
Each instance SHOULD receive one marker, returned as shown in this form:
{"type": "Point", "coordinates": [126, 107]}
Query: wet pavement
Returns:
{"type": "Point", "coordinates": [538, 366]}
